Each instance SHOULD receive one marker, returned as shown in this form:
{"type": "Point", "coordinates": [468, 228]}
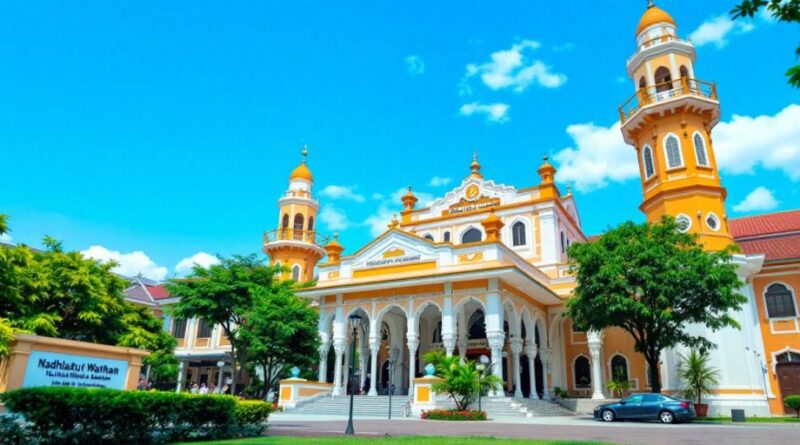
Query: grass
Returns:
{"type": "Point", "coordinates": [395, 440]}
{"type": "Point", "coordinates": [751, 419]}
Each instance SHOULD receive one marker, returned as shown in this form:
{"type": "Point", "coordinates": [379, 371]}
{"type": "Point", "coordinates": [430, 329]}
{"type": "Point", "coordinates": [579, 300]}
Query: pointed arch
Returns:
{"type": "Point", "coordinates": [296, 273]}
{"type": "Point", "coordinates": [672, 151]}
{"type": "Point", "coordinates": [700, 152]}
{"type": "Point", "coordinates": [647, 160]}
{"type": "Point", "coordinates": [471, 235]}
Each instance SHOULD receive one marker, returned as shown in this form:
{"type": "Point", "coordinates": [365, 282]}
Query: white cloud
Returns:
{"type": "Point", "coordinates": [128, 264]}
{"type": "Point", "coordinates": [599, 156]}
{"type": "Point", "coordinates": [5, 238]}
{"type": "Point", "coordinates": [513, 68]}
{"type": "Point", "coordinates": [438, 181]}
{"type": "Point", "coordinates": [377, 196]}
{"type": "Point", "coordinates": [760, 199]}
{"type": "Point", "coordinates": [343, 192]}
{"type": "Point", "coordinates": [494, 112]}
{"type": "Point", "coordinates": [201, 259]}
{"type": "Point", "coordinates": [569, 46]}
{"type": "Point", "coordinates": [770, 141]}
{"type": "Point", "coordinates": [716, 30]}
{"type": "Point", "coordinates": [415, 65]}
{"type": "Point", "coordinates": [379, 221]}
{"type": "Point", "coordinates": [334, 218]}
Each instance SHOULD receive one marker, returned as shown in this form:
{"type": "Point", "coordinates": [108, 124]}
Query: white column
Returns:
{"type": "Point", "coordinates": [413, 344]}
{"type": "Point", "coordinates": [516, 349]}
{"type": "Point", "coordinates": [494, 330]}
{"type": "Point", "coordinates": [324, 348]}
{"type": "Point", "coordinates": [532, 350]}
{"type": "Point", "coordinates": [346, 365]}
{"type": "Point", "coordinates": [181, 376]}
{"type": "Point", "coordinates": [374, 348]}
{"type": "Point", "coordinates": [463, 334]}
{"type": "Point", "coordinates": [394, 365]}
{"type": "Point", "coordinates": [595, 340]}
{"type": "Point", "coordinates": [544, 356]}
{"type": "Point", "coordinates": [448, 321]}
{"type": "Point", "coordinates": [339, 346]}
{"type": "Point", "coordinates": [362, 357]}
{"type": "Point", "coordinates": [496, 342]}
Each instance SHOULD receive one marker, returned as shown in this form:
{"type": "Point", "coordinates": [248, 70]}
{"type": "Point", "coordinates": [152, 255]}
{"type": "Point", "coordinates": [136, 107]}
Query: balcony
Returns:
{"type": "Point", "coordinates": [666, 91]}
{"type": "Point", "coordinates": [295, 235]}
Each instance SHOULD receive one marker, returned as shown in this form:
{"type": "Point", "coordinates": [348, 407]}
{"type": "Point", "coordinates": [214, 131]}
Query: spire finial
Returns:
{"type": "Point", "coordinates": [475, 167]}
{"type": "Point", "coordinates": [336, 235]}
{"type": "Point", "coordinates": [650, 4]}
{"type": "Point", "coordinates": [305, 152]}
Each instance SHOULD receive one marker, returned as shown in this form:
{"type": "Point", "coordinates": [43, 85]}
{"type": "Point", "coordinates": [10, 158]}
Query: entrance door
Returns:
{"type": "Point", "coordinates": [789, 380]}
{"type": "Point", "coordinates": [537, 364]}
{"type": "Point", "coordinates": [525, 378]}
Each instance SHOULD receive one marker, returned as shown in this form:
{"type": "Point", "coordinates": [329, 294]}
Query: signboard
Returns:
{"type": "Point", "coordinates": [484, 203]}
{"type": "Point", "coordinates": [391, 261]}
{"type": "Point", "coordinates": [54, 369]}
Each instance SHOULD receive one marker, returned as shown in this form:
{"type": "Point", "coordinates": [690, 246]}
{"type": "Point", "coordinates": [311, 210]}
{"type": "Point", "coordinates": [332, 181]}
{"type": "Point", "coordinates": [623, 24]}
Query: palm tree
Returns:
{"type": "Point", "coordinates": [619, 384]}
{"type": "Point", "coordinates": [700, 378]}
{"type": "Point", "coordinates": [462, 381]}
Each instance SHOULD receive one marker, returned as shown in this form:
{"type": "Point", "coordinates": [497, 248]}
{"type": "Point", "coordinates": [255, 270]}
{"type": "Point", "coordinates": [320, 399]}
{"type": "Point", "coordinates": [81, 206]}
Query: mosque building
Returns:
{"type": "Point", "coordinates": [483, 270]}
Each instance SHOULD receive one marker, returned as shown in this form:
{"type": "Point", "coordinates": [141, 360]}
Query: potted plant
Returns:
{"type": "Point", "coordinates": [700, 378]}
{"type": "Point", "coordinates": [619, 385]}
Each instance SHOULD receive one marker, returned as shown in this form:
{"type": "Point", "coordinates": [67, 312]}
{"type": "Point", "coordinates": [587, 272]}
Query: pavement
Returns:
{"type": "Point", "coordinates": [548, 428]}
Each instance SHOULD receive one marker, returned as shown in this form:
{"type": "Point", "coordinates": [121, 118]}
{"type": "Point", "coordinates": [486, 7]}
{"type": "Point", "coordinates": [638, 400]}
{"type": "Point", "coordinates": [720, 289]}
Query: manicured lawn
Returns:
{"type": "Point", "coordinates": [400, 440]}
{"type": "Point", "coordinates": [752, 419]}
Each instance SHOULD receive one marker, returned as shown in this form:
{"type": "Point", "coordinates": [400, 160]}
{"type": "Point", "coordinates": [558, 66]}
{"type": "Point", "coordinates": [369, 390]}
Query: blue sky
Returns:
{"type": "Point", "coordinates": [155, 131]}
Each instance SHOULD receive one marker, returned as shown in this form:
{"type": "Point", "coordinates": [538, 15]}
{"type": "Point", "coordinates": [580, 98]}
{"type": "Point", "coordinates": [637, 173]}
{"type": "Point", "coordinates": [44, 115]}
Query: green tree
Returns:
{"type": "Point", "coordinates": [143, 331]}
{"type": "Point", "coordinates": [784, 11]}
{"type": "Point", "coordinates": [280, 331]}
{"type": "Point", "coordinates": [697, 374]}
{"type": "Point", "coordinates": [652, 281]}
{"type": "Point", "coordinates": [222, 294]}
{"type": "Point", "coordinates": [462, 381]}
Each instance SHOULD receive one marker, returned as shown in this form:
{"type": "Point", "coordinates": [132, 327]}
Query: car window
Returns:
{"type": "Point", "coordinates": [634, 400]}
{"type": "Point", "coordinates": [652, 398]}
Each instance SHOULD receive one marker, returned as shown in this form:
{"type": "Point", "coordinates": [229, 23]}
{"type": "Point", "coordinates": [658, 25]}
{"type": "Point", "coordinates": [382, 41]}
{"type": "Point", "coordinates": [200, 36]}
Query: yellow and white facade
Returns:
{"type": "Point", "coordinates": [483, 269]}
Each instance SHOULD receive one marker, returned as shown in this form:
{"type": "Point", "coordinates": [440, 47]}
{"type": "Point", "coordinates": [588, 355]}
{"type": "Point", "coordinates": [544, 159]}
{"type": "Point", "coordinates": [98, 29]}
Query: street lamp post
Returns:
{"type": "Point", "coordinates": [390, 388]}
{"type": "Point", "coordinates": [354, 322]}
{"type": "Point", "coordinates": [483, 366]}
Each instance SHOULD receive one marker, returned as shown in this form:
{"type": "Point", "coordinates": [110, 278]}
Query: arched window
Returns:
{"type": "Point", "coordinates": [780, 301]}
{"type": "Point", "coordinates": [684, 71]}
{"type": "Point", "coordinates": [563, 243]}
{"type": "Point", "coordinates": [649, 167]}
{"type": "Point", "coordinates": [518, 233]}
{"type": "Point", "coordinates": [429, 237]}
{"type": "Point", "coordinates": [471, 236]}
{"type": "Point", "coordinates": [298, 226]}
{"type": "Point", "coordinates": [436, 336]}
{"type": "Point", "coordinates": [673, 149]}
{"type": "Point", "coordinates": [700, 150]}
{"type": "Point", "coordinates": [663, 79]}
{"type": "Point", "coordinates": [447, 237]}
{"type": "Point", "coordinates": [285, 222]}
{"type": "Point", "coordinates": [477, 326]}
{"type": "Point", "coordinates": [583, 373]}
{"type": "Point", "coordinates": [787, 357]}
{"type": "Point", "coordinates": [296, 272]}
{"type": "Point", "coordinates": [310, 223]}
{"type": "Point", "coordinates": [642, 82]}
{"type": "Point", "coordinates": [619, 368]}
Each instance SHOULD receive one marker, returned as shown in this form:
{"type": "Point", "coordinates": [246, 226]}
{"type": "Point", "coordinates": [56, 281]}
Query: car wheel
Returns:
{"type": "Point", "coordinates": [608, 415]}
{"type": "Point", "coordinates": [666, 417]}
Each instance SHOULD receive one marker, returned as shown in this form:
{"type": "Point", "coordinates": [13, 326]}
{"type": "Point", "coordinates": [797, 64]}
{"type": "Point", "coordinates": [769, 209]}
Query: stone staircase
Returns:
{"type": "Point", "coordinates": [509, 407]}
{"type": "Point", "coordinates": [363, 406]}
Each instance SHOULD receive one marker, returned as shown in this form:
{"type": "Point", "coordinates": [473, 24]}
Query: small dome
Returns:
{"type": "Point", "coordinates": [654, 15]}
{"type": "Point", "coordinates": [302, 171]}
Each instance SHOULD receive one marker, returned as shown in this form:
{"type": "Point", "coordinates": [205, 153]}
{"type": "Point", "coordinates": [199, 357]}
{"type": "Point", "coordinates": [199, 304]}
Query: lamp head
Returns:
{"type": "Point", "coordinates": [484, 359]}
{"type": "Point", "coordinates": [355, 319]}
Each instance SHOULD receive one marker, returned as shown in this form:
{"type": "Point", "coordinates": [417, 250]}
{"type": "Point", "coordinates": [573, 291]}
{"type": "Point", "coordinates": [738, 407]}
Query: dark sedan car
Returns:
{"type": "Point", "coordinates": [647, 407]}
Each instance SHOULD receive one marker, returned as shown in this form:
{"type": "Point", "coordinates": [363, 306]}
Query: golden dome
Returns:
{"type": "Point", "coordinates": [654, 15]}
{"type": "Point", "coordinates": [302, 171]}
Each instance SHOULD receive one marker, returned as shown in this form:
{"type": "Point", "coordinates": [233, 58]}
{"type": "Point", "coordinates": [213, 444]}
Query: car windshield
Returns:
{"type": "Point", "coordinates": [633, 399]}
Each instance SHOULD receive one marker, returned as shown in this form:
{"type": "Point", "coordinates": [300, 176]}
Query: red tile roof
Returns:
{"type": "Point", "coordinates": [775, 234]}
{"type": "Point", "coordinates": [765, 224]}
{"type": "Point", "coordinates": [158, 292]}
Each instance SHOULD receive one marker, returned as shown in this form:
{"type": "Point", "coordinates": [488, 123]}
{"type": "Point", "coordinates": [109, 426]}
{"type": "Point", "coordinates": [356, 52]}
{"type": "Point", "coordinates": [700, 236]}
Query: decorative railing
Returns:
{"type": "Point", "coordinates": [288, 234]}
{"type": "Point", "coordinates": [665, 91]}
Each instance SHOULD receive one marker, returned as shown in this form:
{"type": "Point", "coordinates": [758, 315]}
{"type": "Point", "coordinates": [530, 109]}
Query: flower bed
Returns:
{"type": "Point", "coordinates": [452, 414]}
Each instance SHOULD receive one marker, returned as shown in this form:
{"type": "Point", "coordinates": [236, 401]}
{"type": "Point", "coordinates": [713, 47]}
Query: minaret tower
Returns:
{"type": "Point", "coordinates": [668, 121]}
{"type": "Point", "coordinates": [295, 243]}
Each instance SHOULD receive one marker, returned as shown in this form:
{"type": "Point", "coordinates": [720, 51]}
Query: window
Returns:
{"type": "Point", "coordinates": [179, 328]}
{"type": "Point", "coordinates": [649, 167]}
{"type": "Point", "coordinates": [619, 368]}
{"type": "Point", "coordinates": [296, 272]}
{"type": "Point", "coordinates": [642, 82]}
{"type": "Point", "coordinates": [436, 336]}
{"type": "Point", "coordinates": [203, 329]}
{"type": "Point", "coordinates": [471, 236]}
{"type": "Point", "coordinates": [310, 223]}
{"type": "Point", "coordinates": [787, 357]}
{"type": "Point", "coordinates": [298, 227]}
{"type": "Point", "coordinates": [652, 398]}
{"type": "Point", "coordinates": [477, 326]}
{"type": "Point", "coordinates": [429, 237]}
{"type": "Point", "coordinates": [673, 149]}
{"type": "Point", "coordinates": [563, 243]}
{"type": "Point", "coordinates": [663, 79]}
{"type": "Point", "coordinates": [447, 237]}
{"type": "Point", "coordinates": [684, 71]}
{"type": "Point", "coordinates": [634, 400]}
{"type": "Point", "coordinates": [712, 222]}
{"type": "Point", "coordinates": [583, 374]}
{"type": "Point", "coordinates": [285, 222]}
{"type": "Point", "coordinates": [518, 233]}
{"type": "Point", "coordinates": [700, 150]}
{"type": "Point", "coordinates": [780, 301]}
{"type": "Point", "coordinates": [684, 223]}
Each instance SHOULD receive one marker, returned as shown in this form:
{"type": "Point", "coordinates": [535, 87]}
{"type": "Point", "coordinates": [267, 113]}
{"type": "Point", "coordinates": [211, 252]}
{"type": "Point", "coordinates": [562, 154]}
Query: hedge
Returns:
{"type": "Point", "coordinates": [794, 403]}
{"type": "Point", "coordinates": [452, 414]}
{"type": "Point", "coordinates": [53, 415]}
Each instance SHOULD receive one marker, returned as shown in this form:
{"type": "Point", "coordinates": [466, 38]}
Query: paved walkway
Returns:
{"type": "Point", "coordinates": [569, 428]}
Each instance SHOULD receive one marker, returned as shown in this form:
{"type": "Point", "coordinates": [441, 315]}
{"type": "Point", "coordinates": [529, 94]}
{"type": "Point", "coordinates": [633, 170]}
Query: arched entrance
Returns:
{"type": "Point", "coordinates": [787, 369]}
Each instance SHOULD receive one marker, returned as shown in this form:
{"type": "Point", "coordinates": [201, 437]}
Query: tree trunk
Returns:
{"type": "Point", "coordinates": [655, 376]}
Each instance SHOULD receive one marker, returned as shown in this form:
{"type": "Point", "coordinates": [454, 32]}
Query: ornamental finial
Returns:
{"type": "Point", "coordinates": [305, 152]}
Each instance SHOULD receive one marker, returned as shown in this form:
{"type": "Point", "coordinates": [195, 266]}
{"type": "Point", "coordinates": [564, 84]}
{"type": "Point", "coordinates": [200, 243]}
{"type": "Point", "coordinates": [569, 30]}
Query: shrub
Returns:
{"type": "Point", "coordinates": [55, 415]}
{"type": "Point", "coordinates": [794, 403]}
{"type": "Point", "coordinates": [454, 414]}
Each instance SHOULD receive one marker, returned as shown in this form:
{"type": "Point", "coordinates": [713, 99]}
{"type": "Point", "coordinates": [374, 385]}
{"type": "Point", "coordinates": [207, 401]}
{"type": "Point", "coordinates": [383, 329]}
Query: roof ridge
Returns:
{"type": "Point", "coordinates": [765, 214]}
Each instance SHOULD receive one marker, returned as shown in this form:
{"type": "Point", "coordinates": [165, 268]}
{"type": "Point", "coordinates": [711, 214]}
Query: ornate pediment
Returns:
{"type": "Point", "coordinates": [395, 248]}
{"type": "Point", "coordinates": [473, 194]}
